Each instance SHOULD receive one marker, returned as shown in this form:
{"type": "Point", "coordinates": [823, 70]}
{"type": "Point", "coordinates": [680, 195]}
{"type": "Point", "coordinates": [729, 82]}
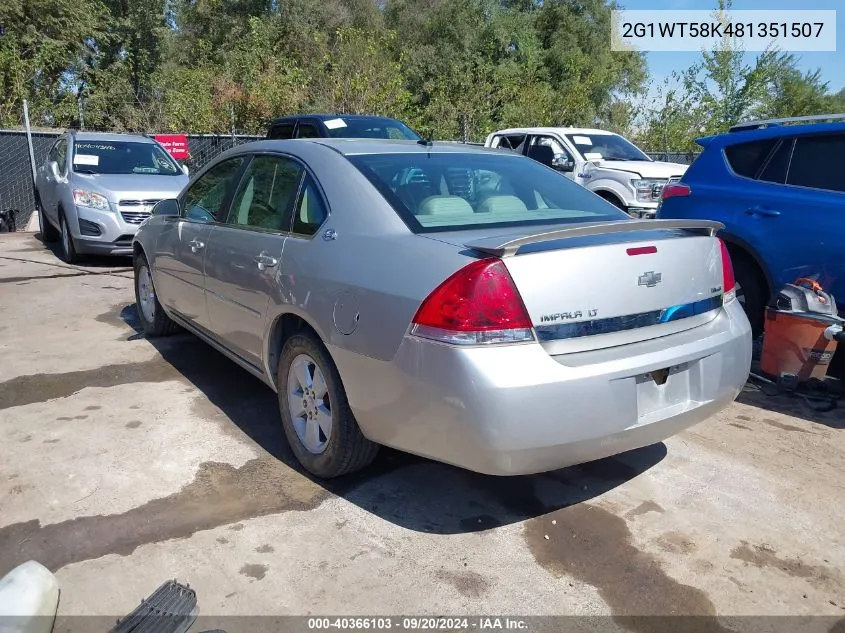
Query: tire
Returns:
{"type": "Point", "coordinates": [66, 243]}
{"type": "Point", "coordinates": [49, 234]}
{"type": "Point", "coordinates": [152, 316]}
{"type": "Point", "coordinates": [752, 292]}
{"type": "Point", "coordinates": [616, 202]}
{"type": "Point", "coordinates": [344, 449]}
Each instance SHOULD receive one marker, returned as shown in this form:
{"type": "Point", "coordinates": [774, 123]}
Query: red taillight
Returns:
{"type": "Point", "coordinates": [674, 190]}
{"type": "Point", "coordinates": [478, 304]}
{"type": "Point", "coordinates": [642, 250]}
{"type": "Point", "coordinates": [728, 279]}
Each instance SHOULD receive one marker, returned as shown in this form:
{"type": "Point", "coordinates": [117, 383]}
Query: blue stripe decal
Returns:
{"type": "Point", "coordinates": [627, 322]}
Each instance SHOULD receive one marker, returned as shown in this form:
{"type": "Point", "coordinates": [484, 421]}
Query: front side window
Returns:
{"type": "Point", "coordinates": [451, 191]}
{"type": "Point", "coordinates": [205, 197]}
{"type": "Point", "coordinates": [610, 147]}
{"type": "Point", "coordinates": [267, 190]}
{"type": "Point", "coordinates": [817, 162]}
{"type": "Point", "coordinates": [58, 154]}
{"type": "Point", "coordinates": [123, 157]}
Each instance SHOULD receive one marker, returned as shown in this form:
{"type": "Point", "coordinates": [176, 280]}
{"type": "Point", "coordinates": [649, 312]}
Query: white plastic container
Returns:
{"type": "Point", "coordinates": [29, 598]}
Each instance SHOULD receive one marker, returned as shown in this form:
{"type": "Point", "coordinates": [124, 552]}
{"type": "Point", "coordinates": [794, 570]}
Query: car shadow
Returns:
{"type": "Point", "coordinates": [112, 262]}
{"type": "Point", "coordinates": [785, 403]}
{"type": "Point", "coordinates": [410, 491]}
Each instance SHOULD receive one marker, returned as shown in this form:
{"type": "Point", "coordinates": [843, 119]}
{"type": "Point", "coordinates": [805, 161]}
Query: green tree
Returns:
{"type": "Point", "coordinates": [44, 42]}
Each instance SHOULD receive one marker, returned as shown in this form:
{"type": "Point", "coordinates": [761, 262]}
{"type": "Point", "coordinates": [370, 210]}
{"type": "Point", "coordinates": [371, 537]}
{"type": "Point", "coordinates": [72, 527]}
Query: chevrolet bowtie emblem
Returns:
{"type": "Point", "coordinates": [650, 279]}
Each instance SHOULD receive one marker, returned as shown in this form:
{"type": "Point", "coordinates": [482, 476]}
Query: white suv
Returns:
{"type": "Point", "coordinates": [603, 162]}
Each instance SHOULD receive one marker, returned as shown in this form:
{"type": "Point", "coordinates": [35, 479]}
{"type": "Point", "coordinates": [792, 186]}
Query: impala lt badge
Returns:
{"type": "Point", "coordinates": [650, 279]}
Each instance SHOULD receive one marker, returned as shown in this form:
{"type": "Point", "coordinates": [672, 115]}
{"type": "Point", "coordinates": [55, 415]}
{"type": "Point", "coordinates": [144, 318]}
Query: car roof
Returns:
{"type": "Point", "coordinates": [775, 131]}
{"type": "Point", "coordinates": [106, 136]}
{"type": "Point", "coordinates": [552, 130]}
{"type": "Point", "coordinates": [357, 146]}
{"type": "Point", "coordinates": [326, 117]}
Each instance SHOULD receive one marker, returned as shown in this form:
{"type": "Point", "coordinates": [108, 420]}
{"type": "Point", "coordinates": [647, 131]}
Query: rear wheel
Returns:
{"type": "Point", "coordinates": [318, 424]}
{"type": "Point", "coordinates": [751, 291]}
{"type": "Point", "coordinates": [69, 253]}
{"type": "Point", "coordinates": [152, 315]}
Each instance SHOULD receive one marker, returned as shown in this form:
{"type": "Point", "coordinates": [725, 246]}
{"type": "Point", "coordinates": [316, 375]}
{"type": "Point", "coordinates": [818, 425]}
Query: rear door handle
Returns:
{"type": "Point", "coordinates": [196, 245]}
{"type": "Point", "coordinates": [265, 261]}
{"type": "Point", "coordinates": [762, 211]}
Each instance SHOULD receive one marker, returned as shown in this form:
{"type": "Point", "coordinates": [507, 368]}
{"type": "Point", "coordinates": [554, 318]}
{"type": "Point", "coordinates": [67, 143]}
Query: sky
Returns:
{"type": "Point", "coordinates": [832, 64]}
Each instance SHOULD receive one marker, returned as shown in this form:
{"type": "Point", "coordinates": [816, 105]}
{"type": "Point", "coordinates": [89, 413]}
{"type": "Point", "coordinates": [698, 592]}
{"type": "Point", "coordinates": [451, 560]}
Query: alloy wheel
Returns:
{"type": "Point", "coordinates": [309, 404]}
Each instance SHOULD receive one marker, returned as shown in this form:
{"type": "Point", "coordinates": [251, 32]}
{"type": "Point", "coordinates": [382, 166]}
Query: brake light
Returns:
{"type": "Point", "coordinates": [728, 279]}
{"type": "Point", "coordinates": [479, 304]}
{"type": "Point", "coordinates": [675, 189]}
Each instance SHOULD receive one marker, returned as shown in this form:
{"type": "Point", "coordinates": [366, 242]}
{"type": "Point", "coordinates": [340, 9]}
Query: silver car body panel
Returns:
{"type": "Point", "coordinates": [502, 409]}
{"type": "Point", "coordinates": [131, 198]}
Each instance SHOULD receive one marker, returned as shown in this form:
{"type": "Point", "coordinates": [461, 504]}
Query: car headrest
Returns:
{"type": "Point", "coordinates": [413, 193]}
{"type": "Point", "coordinates": [542, 154]}
{"type": "Point", "coordinates": [444, 205]}
{"type": "Point", "coordinates": [502, 204]}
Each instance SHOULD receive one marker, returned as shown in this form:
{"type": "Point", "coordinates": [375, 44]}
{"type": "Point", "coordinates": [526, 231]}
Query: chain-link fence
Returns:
{"type": "Point", "coordinates": [17, 189]}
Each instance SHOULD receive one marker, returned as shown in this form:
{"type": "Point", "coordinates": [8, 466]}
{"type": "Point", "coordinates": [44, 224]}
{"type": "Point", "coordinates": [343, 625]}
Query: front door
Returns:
{"type": "Point", "coordinates": [181, 248]}
{"type": "Point", "coordinates": [244, 255]}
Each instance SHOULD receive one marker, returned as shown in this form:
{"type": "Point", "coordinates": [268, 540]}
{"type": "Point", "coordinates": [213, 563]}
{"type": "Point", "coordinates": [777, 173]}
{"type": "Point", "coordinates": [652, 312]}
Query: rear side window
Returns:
{"type": "Point", "coordinates": [267, 189]}
{"type": "Point", "coordinates": [775, 169]}
{"type": "Point", "coordinates": [817, 162]}
{"type": "Point", "coordinates": [281, 131]}
{"type": "Point", "coordinates": [451, 190]}
{"type": "Point", "coordinates": [746, 159]}
{"type": "Point", "coordinates": [511, 141]}
{"type": "Point", "coordinates": [307, 130]}
{"type": "Point", "coordinates": [310, 212]}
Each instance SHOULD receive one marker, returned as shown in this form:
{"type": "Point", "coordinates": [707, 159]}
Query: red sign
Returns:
{"type": "Point", "coordinates": [175, 144]}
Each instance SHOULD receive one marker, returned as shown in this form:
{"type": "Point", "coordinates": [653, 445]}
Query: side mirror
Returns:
{"type": "Point", "coordinates": [166, 207]}
{"type": "Point", "coordinates": [185, 170]}
{"type": "Point", "coordinates": [561, 163]}
{"type": "Point", "coordinates": [54, 169]}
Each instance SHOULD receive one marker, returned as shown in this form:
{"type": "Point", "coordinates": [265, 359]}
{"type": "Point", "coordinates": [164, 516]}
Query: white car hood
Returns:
{"type": "Point", "coordinates": [644, 168]}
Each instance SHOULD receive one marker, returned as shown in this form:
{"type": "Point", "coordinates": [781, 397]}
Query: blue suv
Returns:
{"type": "Point", "coordinates": [779, 189]}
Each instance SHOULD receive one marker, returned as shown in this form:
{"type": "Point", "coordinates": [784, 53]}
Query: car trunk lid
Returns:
{"type": "Point", "coordinates": [598, 285]}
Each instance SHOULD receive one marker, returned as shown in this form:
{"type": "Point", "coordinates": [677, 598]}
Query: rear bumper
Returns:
{"type": "Point", "coordinates": [517, 410]}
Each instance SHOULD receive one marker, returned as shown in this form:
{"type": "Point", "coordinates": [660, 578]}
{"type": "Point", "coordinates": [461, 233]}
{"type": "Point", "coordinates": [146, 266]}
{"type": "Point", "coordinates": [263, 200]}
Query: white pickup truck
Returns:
{"type": "Point", "coordinates": [603, 162]}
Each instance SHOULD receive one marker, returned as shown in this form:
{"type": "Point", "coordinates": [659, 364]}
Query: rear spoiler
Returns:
{"type": "Point", "coordinates": [504, 247]}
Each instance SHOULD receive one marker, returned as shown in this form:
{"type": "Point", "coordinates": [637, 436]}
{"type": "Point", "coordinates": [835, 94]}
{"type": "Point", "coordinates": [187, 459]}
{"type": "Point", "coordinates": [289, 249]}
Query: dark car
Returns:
{"type": "Point", "coordinates": [339, 126]}
{"type": "Point", "coordinates": [779, 189]}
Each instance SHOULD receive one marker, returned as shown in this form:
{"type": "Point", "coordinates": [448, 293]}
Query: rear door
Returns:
{"type": "Point", "coordinates": [245, 252]}
{"type": "Point", "coordinates": [812, 210]}
{"type": "Point", "coordinates": [791, 206]}
{"type": "Point", "coordinates": [181, 247]}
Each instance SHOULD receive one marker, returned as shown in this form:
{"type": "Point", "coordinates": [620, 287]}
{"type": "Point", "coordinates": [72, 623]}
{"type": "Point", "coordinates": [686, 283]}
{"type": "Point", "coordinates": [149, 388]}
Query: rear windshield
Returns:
{"type": "Point", "coordinates": [364, 127]}
{"type": "Point", "coordinates": [122, 157]}
{"type": "Point", "coordinates": [448, 191]}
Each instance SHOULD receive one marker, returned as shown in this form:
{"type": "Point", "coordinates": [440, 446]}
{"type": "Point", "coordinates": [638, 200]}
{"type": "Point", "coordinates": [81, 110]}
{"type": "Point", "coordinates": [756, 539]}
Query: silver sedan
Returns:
{"type": "Point", "coordinates": [467, 305]}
